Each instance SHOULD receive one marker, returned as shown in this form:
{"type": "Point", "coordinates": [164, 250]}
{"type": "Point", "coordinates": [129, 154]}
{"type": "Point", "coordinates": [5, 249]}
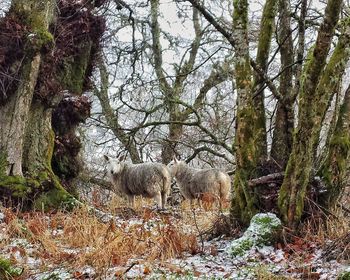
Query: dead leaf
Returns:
{"type": "Point", "coordinates": [147, 270]}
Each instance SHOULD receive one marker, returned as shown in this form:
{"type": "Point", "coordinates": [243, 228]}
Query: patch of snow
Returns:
{"type": "Point", "coordinates": [261, 231]}
{"type": "Point", "coordinates": [58, 273]}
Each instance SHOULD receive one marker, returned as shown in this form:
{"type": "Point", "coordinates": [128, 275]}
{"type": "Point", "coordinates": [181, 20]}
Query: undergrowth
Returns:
{"type": "Point", "coordinates": [79, 238]}
{"type": "Point", "coordinates": [143, 236]}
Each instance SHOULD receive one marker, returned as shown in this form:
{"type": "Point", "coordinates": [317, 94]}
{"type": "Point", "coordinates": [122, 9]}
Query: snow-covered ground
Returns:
{"type": "Point", "coordinates": [39, 248]}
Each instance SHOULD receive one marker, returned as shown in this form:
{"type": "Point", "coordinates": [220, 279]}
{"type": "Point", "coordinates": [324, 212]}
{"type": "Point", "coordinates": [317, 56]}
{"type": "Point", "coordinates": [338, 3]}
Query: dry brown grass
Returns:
{"type": "Point", "coordinates": [79, 238]}
{"type": "Point", "coordinates": [330, 227]}
{"type": "Point", "coordinates": [330, 233]}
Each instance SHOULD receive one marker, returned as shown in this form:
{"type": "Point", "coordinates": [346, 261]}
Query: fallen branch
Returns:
{"type": "Point", "coordinates": [96, 181]}
{"type": "Point", "coordinates": [266, 179]}
{"type": "Point", "coordinates": [101, 182]}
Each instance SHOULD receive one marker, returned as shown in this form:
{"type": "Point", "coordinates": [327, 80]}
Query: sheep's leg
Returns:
{"type": "Point", "coordinates": [221, 200]}
{"type": "Point", "coordinates": [164, 199]}
{"type": "Point", "coordinates": [158, 199]}
{"type": "Point", "coordinates": [199, 201]}
{"type": "Point", "coordinates": [191, 203]}
{"type": "Point", "coordinates": [132, 200]}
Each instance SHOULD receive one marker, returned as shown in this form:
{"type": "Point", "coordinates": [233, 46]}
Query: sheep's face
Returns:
{"type": "Point", "coordinates": [174, 166]}
{"type": "Point", "coordinates": [113, 166]}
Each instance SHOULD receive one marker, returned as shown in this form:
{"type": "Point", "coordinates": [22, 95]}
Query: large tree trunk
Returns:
{"type": "Point", "coordinates": [14, 116]}
{"type": "Point", "coordinates": [334, 171]}
{"type": "Point", "coordinates": [14, 113]}
{"type": "Point", "coordinates": [264, 44]}
{"type": "Point", "coordinates": [244, 202]}
{"type": "Point", "coordinates": [331, 79]}
{"type": "Point", "coordinates": [293, 189]}
{"type": "Point", "coordinates": [38, 150]}
{"type": "Point", "coordinates": [284, 120]}
{"type": "Point", "coordinates": [47, 70]}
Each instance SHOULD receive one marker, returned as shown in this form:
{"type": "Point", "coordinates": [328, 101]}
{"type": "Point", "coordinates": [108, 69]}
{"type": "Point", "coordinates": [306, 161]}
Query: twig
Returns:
{"type": "Point", "coordinates": [130, 267]}
{"type": "Point", "coordinates": [199, 232]}
{"type": "Point", "coordinates": [343, 208]}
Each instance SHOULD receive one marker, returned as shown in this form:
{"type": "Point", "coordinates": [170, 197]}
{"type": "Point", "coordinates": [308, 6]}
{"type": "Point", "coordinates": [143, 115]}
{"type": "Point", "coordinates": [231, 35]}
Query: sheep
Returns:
{"type": "Point", "coordinates": [150, 180]}
{"type": "Point", "coordinates": [198, 183]}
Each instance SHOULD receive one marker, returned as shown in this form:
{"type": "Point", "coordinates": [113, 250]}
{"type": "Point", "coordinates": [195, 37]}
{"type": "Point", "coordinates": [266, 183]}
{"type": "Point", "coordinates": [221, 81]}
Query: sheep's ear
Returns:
{"type": "Point", "coordinates": [175, 159]}
{"type": "Point", "coordinates": [106, 158]}
{"type": "Point", "coordinates": [121, 158]}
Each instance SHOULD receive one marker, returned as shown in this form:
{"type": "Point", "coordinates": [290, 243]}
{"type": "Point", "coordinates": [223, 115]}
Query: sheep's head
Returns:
{"type": "Point", "coordinates": [114, 166]}
{"type": "Point", "coordinates": [174, 166]}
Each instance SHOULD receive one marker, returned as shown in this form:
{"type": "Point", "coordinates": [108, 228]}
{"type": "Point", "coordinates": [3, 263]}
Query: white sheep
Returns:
{"type": "Point", "coordinates": [196, 183]}
{"type": "Point", "coordinates": [151, 180]}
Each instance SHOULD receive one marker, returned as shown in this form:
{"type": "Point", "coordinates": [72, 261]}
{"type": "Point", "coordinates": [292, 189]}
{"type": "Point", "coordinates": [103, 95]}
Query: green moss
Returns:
{"type": "Point", "coordinates": [333, 171]}
{"type": "Point", "coordinates": [7, 271]}
{"type": "Point", "coordinates": [55, 198]}
{"type": "Point", "coordinates": [266, 31]}
{"type": "Point", "coordinates": [43, 38]}
{"type": "Point", "coordinates": [240, 246]}
{"type": "Point", "coordinates": [262, 231]}
{"type": "Point", "coordinates": [245, 200]}
{"type": "Point", "coordinates": [342, 142]}
{"type": "Point", "coordinates": [50, 148]}
{"type": "Point", "coordinates": [35, 15]}
{"type": "Point", "coordinates": [264, 228]}
{"type": "Point", "coordinates": [17, 185]}
{"type": "Point", "coordinates": [345, 275]}
{"type": "Point", "coordinates": [3, 163]}
{"type": "Point", "coordinates": [73, 75]}
{"type": "Point", "coordinates": [240, 13]}
{"type": "Point", "coordinates": [25, 188]}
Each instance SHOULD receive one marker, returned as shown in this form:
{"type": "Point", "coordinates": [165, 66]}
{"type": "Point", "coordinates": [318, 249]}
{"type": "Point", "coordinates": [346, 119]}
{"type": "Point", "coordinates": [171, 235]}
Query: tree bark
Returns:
{"type": "Point", "coordinates": [28, 176]}
{"type": "Point", "coordinates": [244, 202]}
{"type": "Point", "coordinates": [14, 117]}
{"type": "Point", "coordinates": [14, 113]}
{"type": "Point", "coordinates": [331, 79]}
{"type": "Point", "coordinates": [334, 171]}
{"type": "Point", "coordinates": [264, 44]}
{"type": "Point", "coordinates": [284, 120]}
{"type": "Point", "coordinates": [293, 189]}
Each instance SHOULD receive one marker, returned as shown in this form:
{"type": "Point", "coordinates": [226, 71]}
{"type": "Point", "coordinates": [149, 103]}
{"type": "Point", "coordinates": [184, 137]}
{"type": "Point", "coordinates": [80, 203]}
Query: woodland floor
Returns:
{"type": "Point", "coordinates": [122, 243]}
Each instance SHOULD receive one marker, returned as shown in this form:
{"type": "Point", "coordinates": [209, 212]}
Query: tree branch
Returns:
{"type": "Point", "coordinates": [266, 179]}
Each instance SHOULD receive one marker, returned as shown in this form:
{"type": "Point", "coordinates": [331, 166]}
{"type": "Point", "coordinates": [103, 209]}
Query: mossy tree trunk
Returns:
{"type": "Point", "coordinates": [293, 190]}
{"type": "Point", "coordinates": [330, 82]}
{"type": "Point", "coordinates": [284, 120]}
{"type": "Point", "coordinates": [250, 138]}
{"type": "Point", "coordinates": [38, 149]}
{"type": "Point", "coordinates": [315, 79]}
{"type": "Point", "coordinates": [244, 204]}
{"type": "Point", "coordinates": [45, 71]}
{"type": "Point", "coordinates": [17, 114]}
{"type": "Point", "coordinates": [267, 25]}
{"type": "Point", "coordinates": [334, 170]}
{"type": "Point", "coordinates": [14, 113]}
